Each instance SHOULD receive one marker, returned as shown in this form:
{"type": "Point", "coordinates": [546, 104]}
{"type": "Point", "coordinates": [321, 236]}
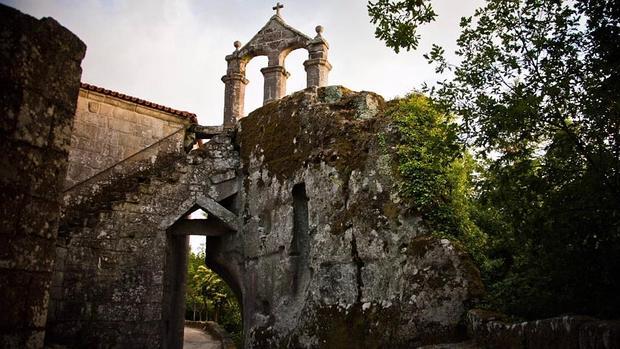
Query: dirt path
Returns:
{"type": "Point", "coordinates": [197, 339]}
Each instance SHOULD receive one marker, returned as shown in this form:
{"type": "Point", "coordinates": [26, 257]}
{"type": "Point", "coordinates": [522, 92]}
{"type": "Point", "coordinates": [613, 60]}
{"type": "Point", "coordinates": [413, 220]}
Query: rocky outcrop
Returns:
{"type": "Point", "coordinates": [39, 82]}
{"type": "Point", "coordinates": [333, 258]}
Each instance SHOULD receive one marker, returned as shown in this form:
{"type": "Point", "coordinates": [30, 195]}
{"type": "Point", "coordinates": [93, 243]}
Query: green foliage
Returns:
{"type": "Point", "coordinates": [536, 91]}
{"type": "Point", "coordinates": [193, 297]}
{"type": "Point", "coordinates": [426, 148]}
{"type": "Point", "coordinates": [397, 21]}
{"type": "Point", "coordinates": [208, 294]}
{"type": "Point", "coordinates": [435, 171]}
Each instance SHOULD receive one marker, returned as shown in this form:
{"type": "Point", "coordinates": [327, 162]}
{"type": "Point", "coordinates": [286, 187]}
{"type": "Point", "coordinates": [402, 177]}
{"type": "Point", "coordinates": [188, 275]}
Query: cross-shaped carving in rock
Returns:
{"type": "Point", "coordinates": [277, 8]}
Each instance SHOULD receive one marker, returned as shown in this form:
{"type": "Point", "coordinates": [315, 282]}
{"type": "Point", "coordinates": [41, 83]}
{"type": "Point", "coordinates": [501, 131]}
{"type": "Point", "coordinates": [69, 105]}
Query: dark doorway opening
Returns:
{"type": "Point", "coordinates": [197, 288]}
{"type": "Point", "coordinates": [301, 239]}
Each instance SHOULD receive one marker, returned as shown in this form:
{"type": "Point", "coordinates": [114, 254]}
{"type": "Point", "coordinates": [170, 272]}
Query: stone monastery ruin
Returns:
{"type": "Point", "coordinates": [304, 219]}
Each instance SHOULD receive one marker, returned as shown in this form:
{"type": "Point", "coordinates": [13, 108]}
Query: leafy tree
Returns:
{"type": "Point", "coordinates": [193, 296]}
{"type": "Point", "coordinates": [212, 291]}
{"type": "Point", "coordinates": [397, 21]}
{"type": "Point", "coordinates": [537, 91]}
{"type": "Point", "coordinates": [209, 297]}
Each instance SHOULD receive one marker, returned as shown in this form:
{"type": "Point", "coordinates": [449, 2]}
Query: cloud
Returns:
{"type": "Point", "coordinates": [172, 51]}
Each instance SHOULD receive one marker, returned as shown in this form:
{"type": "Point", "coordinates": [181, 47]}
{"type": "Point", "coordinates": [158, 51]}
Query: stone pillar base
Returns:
{"type": "Point", "coordinates": [275, 83]}
{"type": "Point", "coordinates": [317, 71]}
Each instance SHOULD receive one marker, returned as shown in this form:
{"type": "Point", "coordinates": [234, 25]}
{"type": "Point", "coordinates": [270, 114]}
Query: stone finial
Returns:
{"type": "Point", "coordinates": [317, 66]}
{"type": "Point", "coordinates": [277, 8]}
{"type": "Point", "coordinates": [237, 45]}
{"type": "Point", "coordinates": [319, 30]}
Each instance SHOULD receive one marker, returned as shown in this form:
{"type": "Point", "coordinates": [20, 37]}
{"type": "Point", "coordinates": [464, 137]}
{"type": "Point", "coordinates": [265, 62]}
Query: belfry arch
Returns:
{"type": "Point", "coordinates": [275, 41]}
{"type": "Point", "coordinates": [294, 64]}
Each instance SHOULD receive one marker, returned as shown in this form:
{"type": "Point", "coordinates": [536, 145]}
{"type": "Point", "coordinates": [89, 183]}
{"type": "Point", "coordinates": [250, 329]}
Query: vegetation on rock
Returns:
{"type": "Point", "coordinates": [435, 170]}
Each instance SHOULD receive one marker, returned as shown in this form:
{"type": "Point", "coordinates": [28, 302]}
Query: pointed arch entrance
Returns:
{"type": "Point", "coordinates": [220, 222]}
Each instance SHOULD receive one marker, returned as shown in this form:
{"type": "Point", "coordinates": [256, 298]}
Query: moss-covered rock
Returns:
{"type": "Point", "coordinates": [328, 125]}
{"type": "Point", "coordinates": [365, 272]}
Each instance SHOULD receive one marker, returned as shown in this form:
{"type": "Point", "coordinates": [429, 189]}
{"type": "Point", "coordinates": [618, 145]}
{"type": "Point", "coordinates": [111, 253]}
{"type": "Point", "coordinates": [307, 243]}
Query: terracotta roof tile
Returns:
{"type": "Point", "coordinates": [179, 113]}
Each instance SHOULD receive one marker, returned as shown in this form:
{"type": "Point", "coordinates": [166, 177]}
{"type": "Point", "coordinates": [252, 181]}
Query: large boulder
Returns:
{"type": "Point", "coordinates": [333, 256]}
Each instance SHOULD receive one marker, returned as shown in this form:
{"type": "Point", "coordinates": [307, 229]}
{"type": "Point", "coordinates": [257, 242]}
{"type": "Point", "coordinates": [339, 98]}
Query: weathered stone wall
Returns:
{"type": "Point", "coordinates": [119, 272]}
{"type": "Point", "coordinates": [109, 129]}
{"type": "Point", "coordinates": [493, 330]}
{"type": "Point", "coordinates": [39, 82]}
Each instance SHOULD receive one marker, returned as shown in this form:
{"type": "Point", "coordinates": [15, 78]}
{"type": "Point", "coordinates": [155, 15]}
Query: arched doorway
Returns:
{"type": "Point", "coordinates": [218, 223]}
{"type": "Point", "coordinates": [209, 300]}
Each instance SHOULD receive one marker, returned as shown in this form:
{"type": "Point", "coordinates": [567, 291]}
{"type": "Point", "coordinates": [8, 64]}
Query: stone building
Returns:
{"type": "Point", "coordinates": [111, 126]}
{"type": "Point", "coordinates": [304, 222]}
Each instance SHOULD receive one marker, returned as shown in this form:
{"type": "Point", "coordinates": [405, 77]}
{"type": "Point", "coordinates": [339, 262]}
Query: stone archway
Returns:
{"type": "Point", "coordinates": [121, 259]}
{"type": "Point", "coordinates": [220, 221]}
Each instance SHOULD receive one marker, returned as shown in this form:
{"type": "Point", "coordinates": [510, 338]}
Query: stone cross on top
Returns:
{"type": "Point", "coordinates": [277, 8]}
{"type": "Point", "coordinates": [275, 40]}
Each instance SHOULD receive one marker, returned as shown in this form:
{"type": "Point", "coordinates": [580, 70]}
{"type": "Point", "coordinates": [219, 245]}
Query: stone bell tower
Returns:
{"type": "Point", "coordinates": [275, 40]}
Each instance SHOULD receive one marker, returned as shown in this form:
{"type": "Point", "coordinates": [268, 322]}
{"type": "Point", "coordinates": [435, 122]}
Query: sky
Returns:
{"type": "Point", "coordinates": [172, 52]}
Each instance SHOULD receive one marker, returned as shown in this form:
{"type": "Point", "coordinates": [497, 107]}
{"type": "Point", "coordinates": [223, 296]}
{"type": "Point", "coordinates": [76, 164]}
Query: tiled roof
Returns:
{"type": "Point", "coordinates": [179, 113]}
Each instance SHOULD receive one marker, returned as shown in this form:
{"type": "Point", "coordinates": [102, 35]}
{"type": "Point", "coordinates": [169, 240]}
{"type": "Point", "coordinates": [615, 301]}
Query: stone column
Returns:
{"type": "Point", "coordinates": [39, 84]}
{"type": "Point", "coordinates": [234, 92]}
{"type": "Point", "coordinates": [317, 66]}
{"type": "Point", "coordinates": [234, 96]}
{"type": "Point", "coordinates": [275, 83]}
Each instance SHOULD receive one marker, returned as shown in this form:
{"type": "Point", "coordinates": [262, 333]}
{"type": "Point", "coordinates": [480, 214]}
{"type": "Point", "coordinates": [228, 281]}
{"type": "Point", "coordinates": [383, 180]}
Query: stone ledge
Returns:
{"type": "Point", "coordinates": [490, 329]}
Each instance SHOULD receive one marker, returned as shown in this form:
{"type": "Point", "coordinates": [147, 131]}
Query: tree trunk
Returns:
{"type": "Point", "coordinates": [204, 303]}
